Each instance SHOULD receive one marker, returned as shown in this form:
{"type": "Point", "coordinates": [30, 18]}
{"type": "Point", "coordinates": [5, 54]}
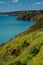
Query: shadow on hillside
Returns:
{"type": "Point", "coordinates": [17, 51]}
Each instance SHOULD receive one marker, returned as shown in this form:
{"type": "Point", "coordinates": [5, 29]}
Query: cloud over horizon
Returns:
{"type": "Point", "coordinates": [14, 0]}
{"type": "Point", "coordinates": [3, 2]}
{"type": "Point", "coordinates": [38, 3]}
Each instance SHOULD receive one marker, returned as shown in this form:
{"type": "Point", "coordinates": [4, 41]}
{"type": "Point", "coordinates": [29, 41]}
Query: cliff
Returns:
{"type": "Point", "coordinates": [30, 15]}
{"type": "Point", "coordinates": [25, 15]}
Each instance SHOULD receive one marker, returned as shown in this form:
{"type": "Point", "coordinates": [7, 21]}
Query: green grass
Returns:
{"type": "Point", "coordinates": [24, 49]}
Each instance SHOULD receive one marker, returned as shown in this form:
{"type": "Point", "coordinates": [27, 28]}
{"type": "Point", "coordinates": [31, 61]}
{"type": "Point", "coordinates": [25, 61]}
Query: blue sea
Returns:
{"type": "Point", "coordinates": [10, 27]}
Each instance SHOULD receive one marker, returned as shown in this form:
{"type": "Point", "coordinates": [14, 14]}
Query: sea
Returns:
{"type": "Point", "coordinates": [10, 27]}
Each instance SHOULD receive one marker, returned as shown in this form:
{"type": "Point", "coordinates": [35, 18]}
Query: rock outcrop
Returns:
{"type": "Point", "coordinates": [30, 15]}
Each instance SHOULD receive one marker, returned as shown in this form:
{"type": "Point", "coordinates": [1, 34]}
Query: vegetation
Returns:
{"type": "Point", "coordinates": [24, 49]}
{"type": "Point", "coordinates": [30, 15]}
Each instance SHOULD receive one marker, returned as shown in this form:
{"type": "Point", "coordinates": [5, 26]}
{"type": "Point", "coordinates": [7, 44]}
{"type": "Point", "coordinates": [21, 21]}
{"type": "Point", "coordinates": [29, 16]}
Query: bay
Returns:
{"type": "Point", "coordinates": [10, 27]}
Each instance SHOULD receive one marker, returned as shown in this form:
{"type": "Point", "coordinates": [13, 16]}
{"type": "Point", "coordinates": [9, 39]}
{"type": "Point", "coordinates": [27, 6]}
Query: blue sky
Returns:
{"type": "Point", "coordinates": [16, 5]}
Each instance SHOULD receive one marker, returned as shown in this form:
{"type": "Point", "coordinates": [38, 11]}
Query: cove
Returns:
{"type": "Point", "coordinates": [10, 27]}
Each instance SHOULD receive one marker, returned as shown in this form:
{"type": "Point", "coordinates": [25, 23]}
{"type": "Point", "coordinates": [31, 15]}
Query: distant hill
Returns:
{"type": "Point", "coordinates": [30, 15]}
{"type": "Point", "coordinates": [26, 48]}
{"type": "Point", "coordinates": [20, 12]}
{"type": "Point", "coordinates": [24, 15]}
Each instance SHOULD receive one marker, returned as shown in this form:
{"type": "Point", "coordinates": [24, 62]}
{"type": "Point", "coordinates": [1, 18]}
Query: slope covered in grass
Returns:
{"type": "Point", "coordinates": [24, 49]}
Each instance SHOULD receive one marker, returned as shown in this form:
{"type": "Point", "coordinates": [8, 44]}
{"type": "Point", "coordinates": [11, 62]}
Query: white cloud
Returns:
{"type": "Point", "coordinates": [38, 3]}
{"type": "Point", "coordinates": [14, 0]}
{"type": "Point", "coordinates": [2, 2]}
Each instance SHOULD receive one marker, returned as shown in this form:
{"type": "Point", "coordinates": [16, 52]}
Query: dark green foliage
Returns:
{"type": "Point", "coordinates": [19, 63]}
{"type": "Point", "coordinates": [35, 50]}
{"type": "Point", "coordinates": [15, 52]}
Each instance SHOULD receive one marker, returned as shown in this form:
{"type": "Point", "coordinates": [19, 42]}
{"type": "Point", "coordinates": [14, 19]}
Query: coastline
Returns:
{"type": "Point", "coordinates": [24, 15]}
{"type": "Point", "coordinates": [25, 48]}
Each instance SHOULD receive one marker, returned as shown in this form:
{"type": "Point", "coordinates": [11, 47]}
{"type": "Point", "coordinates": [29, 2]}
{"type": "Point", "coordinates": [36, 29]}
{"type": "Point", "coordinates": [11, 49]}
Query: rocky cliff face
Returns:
{"type": "Point", "coordinates": [30, 15]}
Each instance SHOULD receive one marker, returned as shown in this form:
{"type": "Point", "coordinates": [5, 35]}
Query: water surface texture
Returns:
{"type": "Point", "coordinates": [10, 27]}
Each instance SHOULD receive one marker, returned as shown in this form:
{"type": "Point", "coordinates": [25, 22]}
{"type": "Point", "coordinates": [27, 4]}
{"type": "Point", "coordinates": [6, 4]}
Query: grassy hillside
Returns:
{"type": "Point", "coordinates": [24, 49]}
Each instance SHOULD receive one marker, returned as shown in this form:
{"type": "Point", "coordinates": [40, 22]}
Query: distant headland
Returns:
{"type": "Point", "coordinates": [25, 15]}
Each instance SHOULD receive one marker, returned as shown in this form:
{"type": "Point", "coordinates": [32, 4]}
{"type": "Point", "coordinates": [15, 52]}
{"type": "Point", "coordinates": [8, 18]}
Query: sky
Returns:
{"type": "Point", "coordinates": [18, 5]}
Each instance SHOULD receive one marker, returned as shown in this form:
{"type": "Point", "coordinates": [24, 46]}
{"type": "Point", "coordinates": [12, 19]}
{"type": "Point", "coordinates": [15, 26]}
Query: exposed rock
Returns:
{"type": "Point", "coordinates": [30, 15]}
